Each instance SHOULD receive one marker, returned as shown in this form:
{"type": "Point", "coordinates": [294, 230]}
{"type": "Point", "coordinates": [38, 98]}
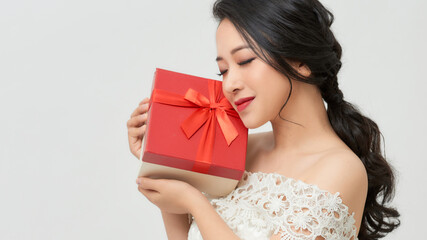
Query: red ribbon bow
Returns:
{"type": "Point", "coordinates": [216, 108]}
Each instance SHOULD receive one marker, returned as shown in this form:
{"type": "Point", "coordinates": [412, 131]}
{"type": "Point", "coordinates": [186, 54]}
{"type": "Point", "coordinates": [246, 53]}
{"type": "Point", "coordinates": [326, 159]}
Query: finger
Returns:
{"type": "Point", "coordinates": [136, 150]}
{"type": "Point", "coordinates": [145, 189]}
{"type": "Point", "coordinates": [148, 183]}
{"type": "Point", "coordinates": [137, 121]}
{"type": "Point", "coordinates": [137, 132]}
{"type": "Point", "coordinates": [149, 194]}
{"type": "Point", "coordinates": [143, 108]}
{"type": "Point", "coordinates": [135, 145]}
{"type": "Point", "coordinates": [145, 100]}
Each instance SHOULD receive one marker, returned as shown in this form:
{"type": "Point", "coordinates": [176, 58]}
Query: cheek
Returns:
{"type": "Point", "coordinates": [226, 95]}
{"type": "Point", "coordinates": [275, 91]}
{"type": "Point", "coordinates": [278, 93]}
{"type": "Point", "coordinates": [225, 92]}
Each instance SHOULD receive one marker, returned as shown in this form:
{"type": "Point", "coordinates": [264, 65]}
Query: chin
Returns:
{"type": "Point", "coordinates": [252, 124]}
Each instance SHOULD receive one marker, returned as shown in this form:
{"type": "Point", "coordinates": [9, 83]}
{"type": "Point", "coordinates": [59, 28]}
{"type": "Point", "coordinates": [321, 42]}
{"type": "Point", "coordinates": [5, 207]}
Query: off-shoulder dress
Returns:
{"type": "Point", "coordinates": [264, 204]}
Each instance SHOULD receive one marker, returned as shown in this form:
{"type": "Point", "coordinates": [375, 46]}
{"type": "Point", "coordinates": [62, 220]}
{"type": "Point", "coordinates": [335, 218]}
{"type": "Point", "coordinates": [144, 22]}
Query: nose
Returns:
{"type": "Point", "coordinates": [232, 83]}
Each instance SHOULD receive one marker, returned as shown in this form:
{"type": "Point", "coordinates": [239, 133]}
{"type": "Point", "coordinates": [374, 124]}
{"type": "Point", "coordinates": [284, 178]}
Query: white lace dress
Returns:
{"type": "Point", "coordinates": [264, 204]}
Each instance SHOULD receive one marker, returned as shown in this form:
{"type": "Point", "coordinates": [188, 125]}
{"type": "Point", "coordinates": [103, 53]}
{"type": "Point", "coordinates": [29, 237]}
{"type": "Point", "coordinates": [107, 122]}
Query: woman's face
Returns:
{"type": "Point", "coordinates": [247, 76]}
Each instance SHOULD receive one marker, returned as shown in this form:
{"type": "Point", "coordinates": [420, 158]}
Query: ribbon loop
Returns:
{"type": "Point", "coordinates": [196, 98]}
{"type": "Point", "coordinates": [195, 121]}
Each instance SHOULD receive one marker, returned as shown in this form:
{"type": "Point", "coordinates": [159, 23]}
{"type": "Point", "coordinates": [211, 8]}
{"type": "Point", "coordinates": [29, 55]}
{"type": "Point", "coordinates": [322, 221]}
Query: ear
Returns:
{"type": "Point", "coordinates": [301, 68]}
{"type": "Point", "coordinates": [304, 70]}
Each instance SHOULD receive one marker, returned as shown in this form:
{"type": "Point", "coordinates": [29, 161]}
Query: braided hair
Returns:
{"type": "Point", "coordinates": [281, 30]}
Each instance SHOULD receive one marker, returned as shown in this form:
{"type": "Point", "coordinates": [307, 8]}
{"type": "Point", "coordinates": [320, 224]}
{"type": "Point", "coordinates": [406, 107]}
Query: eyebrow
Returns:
{"type": "Point", "coordinates": [233, 51]}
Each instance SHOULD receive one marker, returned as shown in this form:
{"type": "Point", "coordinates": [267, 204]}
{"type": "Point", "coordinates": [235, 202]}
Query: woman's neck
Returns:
{"type": "Point", "coordinates": [305, 108]}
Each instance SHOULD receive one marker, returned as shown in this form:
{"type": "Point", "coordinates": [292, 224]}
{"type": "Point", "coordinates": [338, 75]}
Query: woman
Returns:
{"type": "Point", "coordinates": [320, 172]}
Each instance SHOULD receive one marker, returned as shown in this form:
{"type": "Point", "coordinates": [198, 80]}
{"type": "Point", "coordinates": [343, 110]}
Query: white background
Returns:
{"type": "Point", "coordinates": [72, 72]}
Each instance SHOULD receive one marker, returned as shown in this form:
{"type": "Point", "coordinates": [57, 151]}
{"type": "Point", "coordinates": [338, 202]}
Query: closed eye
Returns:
{"type": "Point", "coordinates": [240, 63]}
{"type": "Point", "coordinates": [247, 61]}
{"type": "Point", "coordinates": [221, 73]}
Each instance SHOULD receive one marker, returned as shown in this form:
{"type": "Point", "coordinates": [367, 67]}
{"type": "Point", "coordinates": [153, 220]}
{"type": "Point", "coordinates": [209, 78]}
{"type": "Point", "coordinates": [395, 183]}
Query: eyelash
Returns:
{"type": "Point", "coordinates": [241, 63]}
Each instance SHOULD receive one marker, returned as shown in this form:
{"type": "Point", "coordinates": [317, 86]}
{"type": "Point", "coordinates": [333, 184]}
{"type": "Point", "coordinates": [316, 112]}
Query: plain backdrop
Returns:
{"type": "Point", "coordinates": [72, 72]}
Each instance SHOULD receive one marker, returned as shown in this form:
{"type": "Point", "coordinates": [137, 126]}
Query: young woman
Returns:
{"type": "Point", "coordinates": [320, 173]}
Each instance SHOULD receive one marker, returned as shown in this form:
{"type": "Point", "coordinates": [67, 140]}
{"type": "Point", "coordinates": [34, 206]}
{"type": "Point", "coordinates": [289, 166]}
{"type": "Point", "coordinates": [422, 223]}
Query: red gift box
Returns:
{"type": "Point", "coordinates": [193, 134]}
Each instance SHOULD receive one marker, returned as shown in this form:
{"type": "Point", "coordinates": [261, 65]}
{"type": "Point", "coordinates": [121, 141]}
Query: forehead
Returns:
{"type": "Point", "coordinates": [227, 36]}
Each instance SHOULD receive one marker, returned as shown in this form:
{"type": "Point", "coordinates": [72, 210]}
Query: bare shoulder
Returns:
{"type": "Point", "coordinates": [342, 171]}
{"type": "Point", "coordinates": [339, 168]}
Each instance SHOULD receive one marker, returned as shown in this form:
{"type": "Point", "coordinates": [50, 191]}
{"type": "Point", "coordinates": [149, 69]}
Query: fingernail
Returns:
{"type": "Point", "coordinates": [138, 181]}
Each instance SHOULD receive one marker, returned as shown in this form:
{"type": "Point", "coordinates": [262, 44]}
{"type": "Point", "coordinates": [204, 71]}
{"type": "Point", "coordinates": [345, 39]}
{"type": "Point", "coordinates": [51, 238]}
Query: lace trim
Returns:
{"type": "Point", "coordinates": [291, 207]}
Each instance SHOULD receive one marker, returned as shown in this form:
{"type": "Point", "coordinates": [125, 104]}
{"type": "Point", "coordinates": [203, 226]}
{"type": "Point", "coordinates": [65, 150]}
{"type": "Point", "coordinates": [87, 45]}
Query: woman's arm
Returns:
{"type": "Point", "coordinates": [176, 225]}
{"type": "Point", "coordinates": [177, 197]}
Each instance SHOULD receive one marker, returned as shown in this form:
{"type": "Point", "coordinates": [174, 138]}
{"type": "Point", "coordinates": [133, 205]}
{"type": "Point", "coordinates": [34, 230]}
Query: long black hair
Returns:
{"type": "Point", "coordinates": [281, 30]}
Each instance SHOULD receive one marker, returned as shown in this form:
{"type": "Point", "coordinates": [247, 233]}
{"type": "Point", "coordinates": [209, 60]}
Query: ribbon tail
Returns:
{"type": "Point", "coordinates": [205, 149]}
{"type": "Point", "coordinates": [229, 131]}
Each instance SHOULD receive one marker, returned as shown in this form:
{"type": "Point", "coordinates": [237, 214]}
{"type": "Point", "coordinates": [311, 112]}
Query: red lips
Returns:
{"type": "Point", "coordinates": [242, 100]}
{"type": "Point", "coordinates": [243, 103]}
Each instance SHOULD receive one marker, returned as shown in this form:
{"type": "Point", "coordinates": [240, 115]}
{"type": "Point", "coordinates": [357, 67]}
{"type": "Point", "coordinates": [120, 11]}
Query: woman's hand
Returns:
{"type": "Point", "coordinates": [136, 127]}
{"type": "Point", "coordinates": [171, 196]}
